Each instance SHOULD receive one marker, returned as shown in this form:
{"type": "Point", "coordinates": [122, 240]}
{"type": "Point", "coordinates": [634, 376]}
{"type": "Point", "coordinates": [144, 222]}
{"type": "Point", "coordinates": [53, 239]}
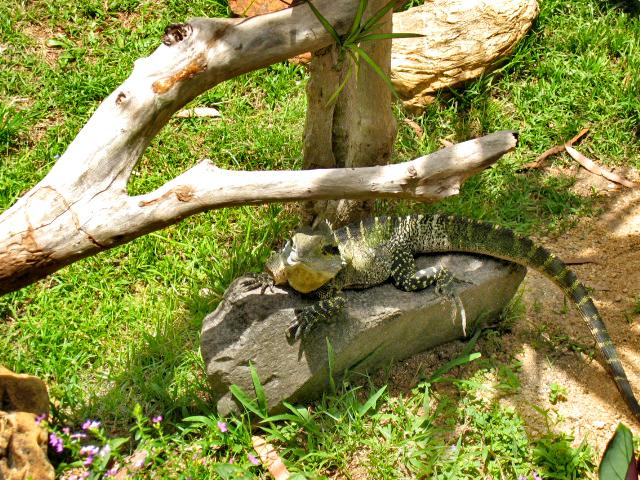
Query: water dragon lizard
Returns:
{"type": "Point", "coordinates": [325, 261]}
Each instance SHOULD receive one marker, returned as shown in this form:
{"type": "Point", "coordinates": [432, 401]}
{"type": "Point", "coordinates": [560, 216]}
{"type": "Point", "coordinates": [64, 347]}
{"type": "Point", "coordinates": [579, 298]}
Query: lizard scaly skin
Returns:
{"type": "Point", "coordinates": [325, 261]}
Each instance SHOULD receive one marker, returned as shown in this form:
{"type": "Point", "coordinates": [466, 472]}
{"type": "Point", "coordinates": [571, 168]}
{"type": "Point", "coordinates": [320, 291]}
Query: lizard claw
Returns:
{"type": "Point", "coordinates": [256, 280]}
{"type": "Point", "coordinates": [302, 325]}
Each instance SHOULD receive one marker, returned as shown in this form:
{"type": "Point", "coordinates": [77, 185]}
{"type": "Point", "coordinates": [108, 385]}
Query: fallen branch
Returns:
{"type": "Point", "coordinates": [48, 232]}
{"type": "Point", "coordinates": [593, 167]}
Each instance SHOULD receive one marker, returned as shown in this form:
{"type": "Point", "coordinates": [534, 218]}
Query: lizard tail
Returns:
{"type": "Point", "coordinates": [465, 235]}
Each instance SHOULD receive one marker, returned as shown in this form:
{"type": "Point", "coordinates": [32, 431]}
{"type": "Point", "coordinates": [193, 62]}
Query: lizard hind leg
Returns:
{"type": "Point", "coordinates": [406, 277]}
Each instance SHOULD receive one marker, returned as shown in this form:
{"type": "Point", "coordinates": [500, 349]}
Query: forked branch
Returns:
{"type": "Point", "coordinates": [81, 207]}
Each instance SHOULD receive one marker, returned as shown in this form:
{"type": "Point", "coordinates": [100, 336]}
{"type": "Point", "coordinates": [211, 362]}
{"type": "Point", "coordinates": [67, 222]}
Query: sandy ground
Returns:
{"type": "Point", "coordinates": [552, 341]}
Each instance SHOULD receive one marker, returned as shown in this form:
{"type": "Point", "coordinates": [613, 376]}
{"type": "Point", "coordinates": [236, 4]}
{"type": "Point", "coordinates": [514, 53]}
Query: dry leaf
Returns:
{"type": "Point", "coordinates": [539, 161]}
{"type": "Point", "coordinates": [593, 167]}
{"type": "Point", "coordinates": [446, 143]}
{"type": "Point", "coordinates": [270, 458]}
{"type": "Point", "coordinates": [199, 112]}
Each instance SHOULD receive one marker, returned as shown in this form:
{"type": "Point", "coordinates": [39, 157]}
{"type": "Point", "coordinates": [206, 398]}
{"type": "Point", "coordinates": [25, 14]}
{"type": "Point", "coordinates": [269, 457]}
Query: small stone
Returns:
{"type": "Point", "coordinates": [618, 299]}
{"type": "Point", "coordinates": [599, 424]}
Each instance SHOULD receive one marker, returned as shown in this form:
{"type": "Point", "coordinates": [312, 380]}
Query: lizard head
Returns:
{"type": "Point", "coordinates": [307, 262]}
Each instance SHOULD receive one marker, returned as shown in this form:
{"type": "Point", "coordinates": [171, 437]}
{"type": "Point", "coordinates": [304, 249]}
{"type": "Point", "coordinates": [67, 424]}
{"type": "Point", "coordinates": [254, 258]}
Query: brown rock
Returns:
{"type": "Point", "coordinates": [23, 443]}
{"type": "Point", "coordinates": [462, 40]}
{"type": "Point", "coordinates": [22, 393]}
{"type": "Point", "coordinates": [23, 448]}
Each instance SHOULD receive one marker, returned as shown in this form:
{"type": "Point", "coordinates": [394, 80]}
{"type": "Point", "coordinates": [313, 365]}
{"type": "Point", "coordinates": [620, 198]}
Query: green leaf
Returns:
{"type": "Point", "coordinates": [618, 456]}
{"type": "Point", "coordinates": [245, 401]}
{"type": "Point", "coordinates": [387, 36]}
{"type": "Point", "coordinates": [202, 420]}
{"type": "Point", "coordinates": [331, 354]}
{"type": "Point", "coordinates": [376, 68]}
{"type": "Point", "coordinates": [371, 402]}
{"type": "Point", "coordinates": [257, 386]}
{"type": "Point", "coordinates": [332, 99]}
{"type": "Point", "coordinates": [355, 29]}
{"type": "Point", "coordinates": [456, 362]}
{"type": "Point", "coordinates": [325, 23]}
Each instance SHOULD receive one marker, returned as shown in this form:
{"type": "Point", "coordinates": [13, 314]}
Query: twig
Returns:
{"type": "Point", "coordinates": [593, 167]}
{"type": "Point", "coordinates": [539, 162]}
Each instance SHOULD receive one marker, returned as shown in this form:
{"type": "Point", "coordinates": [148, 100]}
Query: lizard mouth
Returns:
{"type": "Point", "coordinates": [309, 274]}
{"type": "Point", "coordinates": [305, 278]}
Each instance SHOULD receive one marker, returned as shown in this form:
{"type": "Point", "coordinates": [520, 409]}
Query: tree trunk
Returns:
{"type": "Point", "coordinates": [358, 130]}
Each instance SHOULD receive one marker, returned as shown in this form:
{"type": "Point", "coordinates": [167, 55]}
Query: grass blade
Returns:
{"type": "Point", "coordinates": [331, 354]}
{"type": "Point", "coordinates": [245, 401]}
{"type": "Point", "coordinates": [257, 386]}
{"type": "Point", "coordinates": [371, 402]}
{"type": "Point", "coordinates": [456, 362]}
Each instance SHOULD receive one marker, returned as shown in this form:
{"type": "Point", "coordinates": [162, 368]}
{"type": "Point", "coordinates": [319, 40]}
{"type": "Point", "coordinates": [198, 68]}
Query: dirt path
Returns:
{"type": "Point", "coordinates": [552, 341]}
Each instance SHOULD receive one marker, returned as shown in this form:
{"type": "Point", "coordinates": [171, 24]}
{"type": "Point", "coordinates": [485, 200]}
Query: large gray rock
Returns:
{"type": "Point", "coordinates": [381, 324]}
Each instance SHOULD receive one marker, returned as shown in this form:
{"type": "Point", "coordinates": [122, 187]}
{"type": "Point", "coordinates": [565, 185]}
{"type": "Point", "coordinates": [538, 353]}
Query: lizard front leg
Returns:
{"type": "Point", "coordinates": [406, 277]}
{"type": "Point", "coordinates": [330, 305]}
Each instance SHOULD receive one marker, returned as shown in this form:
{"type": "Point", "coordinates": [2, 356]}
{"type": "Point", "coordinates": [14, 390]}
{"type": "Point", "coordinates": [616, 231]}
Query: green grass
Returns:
{"type": "Point", "coordinates": [121, 329]}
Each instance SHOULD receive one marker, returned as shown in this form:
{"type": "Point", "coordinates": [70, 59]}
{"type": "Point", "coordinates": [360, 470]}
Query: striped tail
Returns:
{"type": "Point", "coordinates": [466, 235]}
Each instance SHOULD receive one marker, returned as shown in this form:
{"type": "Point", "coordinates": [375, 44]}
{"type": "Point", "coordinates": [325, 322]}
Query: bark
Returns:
{"type": "Point", "coordinates": [81, 207]}
{"type": "Point", "coordinates": [358, 130]}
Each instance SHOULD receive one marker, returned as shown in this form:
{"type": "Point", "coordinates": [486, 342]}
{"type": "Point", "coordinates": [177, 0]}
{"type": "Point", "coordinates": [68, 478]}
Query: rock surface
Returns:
{"type": "Point", "coordinates": [23, 443]}
{"type": "Point", "coordinates": [463, 39]}
{"type": "Point", "coordinates": [22, 393]}
{"type": "Point", "coordinates": [381, 324]}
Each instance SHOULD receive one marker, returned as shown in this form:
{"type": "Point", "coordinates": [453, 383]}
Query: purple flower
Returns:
{"type": "Point", "coordinates": [253, 459]}
{"type": "Point", "coordinates": [66, 430]}
{"type": "Point", "coordinates": [40, 418]}
{"type": "Point", "coordinates": [91, 425]}
{"type": "Point", "coordinates": [88, 461]}
{"type": "Point", "coordinates": [78, 436]}
{"type": "Point", "coordinates": [105, 451]}
{"type": "Point", "coordinates": [157, 419]}
{"type": "Point", "coordinates": [536, 476]}
{"type": "Point", "coordinates": [223, 427]}
{"type": "Point", "coordinates": [82, 476]}
{"type": "Point", "coordinates": [140, 462]}
{"type": "Point", "coordinates": [56, 442]}
{"type": "Point", "coordinates": [89, 450]}
{"type": "Point", "coordinates": [112, 471]}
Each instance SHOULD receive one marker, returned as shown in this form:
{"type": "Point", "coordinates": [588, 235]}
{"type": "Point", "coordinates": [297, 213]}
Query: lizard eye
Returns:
{"type": "Point", "coordinates": [330, 250]}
